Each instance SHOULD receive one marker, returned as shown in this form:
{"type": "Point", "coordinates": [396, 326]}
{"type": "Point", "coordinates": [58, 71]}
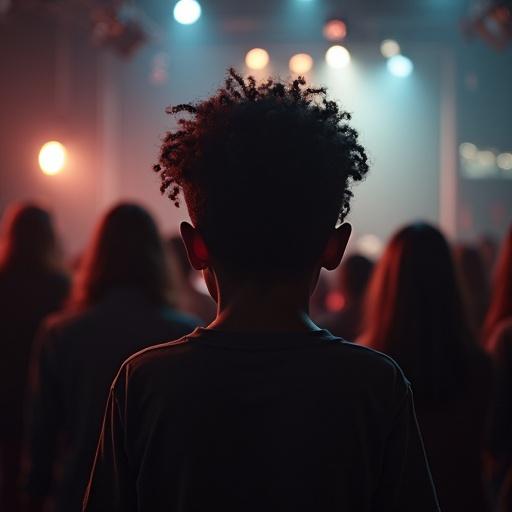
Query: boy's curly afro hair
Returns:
{"type": "Point", "coordinates": [265, 171]}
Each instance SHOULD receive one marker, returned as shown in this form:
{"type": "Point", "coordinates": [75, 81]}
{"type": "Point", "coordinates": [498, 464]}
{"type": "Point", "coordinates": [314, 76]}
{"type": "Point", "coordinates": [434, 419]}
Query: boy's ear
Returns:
{"type": "Point", "coordinates": [335, 247]}
{"type": "Point", "coordinates": [196, 248]}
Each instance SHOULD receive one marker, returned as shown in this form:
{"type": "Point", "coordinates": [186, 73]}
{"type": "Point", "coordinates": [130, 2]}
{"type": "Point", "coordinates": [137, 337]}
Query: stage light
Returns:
{"type": "Point", "coordinates": [257, 58]}
{"type": "Point", "coordinates": [504, 161]}
{"type": "Point", "coordinates": [389, 48]}
{"type": "Point", "coordinates": [52, 157]}
{"type": "Point", "coordinates": [187, 12]}
{"type": "Point", "coordinates": [370, 246]}
{"type": "Point", "coordinates": [335, 30]}
{"type": "Point", "coordinates": [486, 158]}
{"type": "Point", "coordinates": [468, 150]}
{"type": "Point", "coordinates": [337, 57]}
{"type": "Point", "coordinates": [400, 66]}
{"type": "Point", "coordinates": [301, 63]}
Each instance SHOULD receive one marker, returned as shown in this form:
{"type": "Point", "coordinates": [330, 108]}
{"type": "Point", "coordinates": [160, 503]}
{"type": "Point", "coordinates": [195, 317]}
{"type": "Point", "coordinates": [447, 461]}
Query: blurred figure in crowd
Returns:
{"type": "Point", "coordinates": [488, 248]}
{"type": "Point", "coordinates": [474, 284]}
{"type": "Point", "coordinates": [500, 308]}
{"type": "Point", "coordinates": [416, 315]}
{"type": "Point", "coordinates": [31, 286]}
{"type": "Point", "coordinates": [505, 496]}
{"type": "Point", "coordinates": [498, 335]}
{"type": "Point", "coordinates": [186, 296]}
{"type": "Point", "coordinates": [118, 307]}
{"type": "Point", "coordinates": [353, 277]}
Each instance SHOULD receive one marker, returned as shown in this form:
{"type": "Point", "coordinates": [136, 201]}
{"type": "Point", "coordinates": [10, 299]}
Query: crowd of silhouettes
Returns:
{"type": "Point", "coordinates": [133, 290]}
{"type": "Point", "coordinates": [443, 313]}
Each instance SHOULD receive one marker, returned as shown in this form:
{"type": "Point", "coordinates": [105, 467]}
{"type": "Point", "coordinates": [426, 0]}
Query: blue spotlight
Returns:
{"type": "Point", "coordinates": [400, 66]}
{"type": "Point", "coordinates": [187, 12]}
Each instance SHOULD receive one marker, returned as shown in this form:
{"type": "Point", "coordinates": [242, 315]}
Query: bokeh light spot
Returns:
{"type": "Point", "coordinates": [187, 12]}
{"type": "Point", "coordinates": [400, 66]}
{"type": "Point", "coordinates": [337, 57]}
{"type": "Point", "coordinates": [301, 63]}
{"type": "Point", "coordinates": [504, 161]}
{"type": "Point", "coordinates": [389, 48]}
{"type": "Point", "coordinates": [335, 30]}
{"type": "Point", "coordinates": [468, 150]}
{"type": "Point", "coordinates": [257, 58]}
{"type": "Point", "coordinates": [52, 157]}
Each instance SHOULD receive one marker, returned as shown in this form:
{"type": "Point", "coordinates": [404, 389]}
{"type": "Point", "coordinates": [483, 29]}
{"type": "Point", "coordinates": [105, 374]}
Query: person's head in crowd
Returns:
{"type": "Point", "coordinates": [415, 312]}
{"type": "Point", "coordinates": [474, 283]}
{"type": "Point", "coordinates": [345, 301]}
{"type": "Point", "coordinates": [28, 241]}
{"type": "Point", "coordinates": [126, 252]}
{"type": "Point", "coordinates": [265, 171]}
{"type": "Point", "coordinates": [500, 307]}
{"type": "Point", "coordinates": [353, 277]}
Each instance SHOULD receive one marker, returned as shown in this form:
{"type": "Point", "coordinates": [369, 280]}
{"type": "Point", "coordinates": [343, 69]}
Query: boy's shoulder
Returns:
{"type": "Point", "coordinates": [371, 364]}
{"type": "Point", "coordinates": [370, 356]}
{"type": "Point", "coordinates": [159, 355]}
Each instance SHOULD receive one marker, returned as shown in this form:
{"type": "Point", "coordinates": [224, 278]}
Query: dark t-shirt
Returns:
{"type": "Point", "coordinates": [238, 422]}
{"type": "Point", "coordinates": [25, 299]}
{"type": "Point", "coordinates": [76, 357]}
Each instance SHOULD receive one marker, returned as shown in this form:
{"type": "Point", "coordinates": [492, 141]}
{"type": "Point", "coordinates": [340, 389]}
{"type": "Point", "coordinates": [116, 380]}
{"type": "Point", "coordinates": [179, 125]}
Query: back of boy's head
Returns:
{"type": "Point", "coordinates": [265, 171]}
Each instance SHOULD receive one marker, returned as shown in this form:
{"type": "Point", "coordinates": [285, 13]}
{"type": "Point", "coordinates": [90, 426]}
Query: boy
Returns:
{"type": "Point", "coordinates": [263, 410]}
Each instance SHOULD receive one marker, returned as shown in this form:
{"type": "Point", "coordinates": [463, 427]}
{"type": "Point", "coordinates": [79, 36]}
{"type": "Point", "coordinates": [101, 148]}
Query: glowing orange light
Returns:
{"type": "Point", "coordinates": [335, 30]}
{"type": "Point", "coordinates": [257, 58]}
{"type": "Point", "coordinates": [52, 157]}
{"type": "Point", "coordinates": [301, 63]}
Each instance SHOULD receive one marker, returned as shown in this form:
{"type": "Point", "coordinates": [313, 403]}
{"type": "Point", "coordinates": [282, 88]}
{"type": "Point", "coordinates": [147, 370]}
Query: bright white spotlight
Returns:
{"type": "Point", "coordinates": [400, 66]}
{"type": "Point", "coordinates": [504, 161]}
{"type": "Point", "coordinates": [52, 157]}
{"type": "Point", "coordinates": [187, 12]}
{"type": "Point", "coordinates": [257, 58]}
{"type": "Point", "coordinates": [389, 48]}
{"type": "Point", "coordinates": [337, 57]}
{"type": "Point", "coordinates": [301, 63]}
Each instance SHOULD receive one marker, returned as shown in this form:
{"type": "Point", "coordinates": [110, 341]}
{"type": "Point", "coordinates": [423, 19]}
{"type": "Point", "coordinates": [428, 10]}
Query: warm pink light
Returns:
{"type": "Point", "coordinates": [335, 30]}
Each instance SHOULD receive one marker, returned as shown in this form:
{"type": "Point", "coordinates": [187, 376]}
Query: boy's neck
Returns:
{"type": "Point", "coordinates": [260, 308]}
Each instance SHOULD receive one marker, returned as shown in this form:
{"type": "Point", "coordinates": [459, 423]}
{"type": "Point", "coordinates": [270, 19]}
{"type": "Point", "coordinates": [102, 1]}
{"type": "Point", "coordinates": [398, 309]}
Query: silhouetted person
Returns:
{"type": "Point", "coordinates": [500, 307]}
{"type": "Point", "coordinates": [416, 315]}
{"type": "Point", "coordinates": [186, 297]}
{"type": "Point", "coordinates": [262, 410]}
{"type": "Point", "coordinates": [119, 306]}
{"type": "Point", "coordinates": [498, 332]}
{"type": "Point", "coordinates": [488, 248]}
{"type": "Point", "coordinates": [353, 277]}
{"type": "Point", "coordinates": [500, 347]}
{"type": "Point", "coordinates": [31, 286]}
{"type": "Point", "coordinates": [474, 285]}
